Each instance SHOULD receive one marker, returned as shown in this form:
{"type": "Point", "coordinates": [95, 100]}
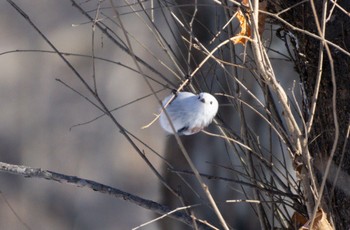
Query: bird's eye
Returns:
{"type": "Point", "coordinates": [211, 102]}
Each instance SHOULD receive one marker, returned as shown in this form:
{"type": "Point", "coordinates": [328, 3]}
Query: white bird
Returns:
{"type": "Point", "coordinates": [188, 112]}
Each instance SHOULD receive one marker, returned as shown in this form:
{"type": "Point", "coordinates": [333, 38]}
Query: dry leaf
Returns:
{"type": "Point", "coordinates": [298, 220]}
{"type": "Point", "coordinates": [245, 29]}
{"type": "Point", "coordinates": [320, 222]}
{"type": "Point", "coordinates": [245, 3]}
{"type": "Point", "coordinates": [245, 32]}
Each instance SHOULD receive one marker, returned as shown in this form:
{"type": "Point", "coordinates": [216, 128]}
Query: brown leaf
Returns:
{"type": "Point", "coordinates": [245, 3]}
{"type": "Point", "coordinates": [241, 37]}
{"type": "Point", "coordinates": [245, 29]}
{"type": "Point", "coordinates": [298, 220]}
{"type": "Point", "coordinates": [320, 223]}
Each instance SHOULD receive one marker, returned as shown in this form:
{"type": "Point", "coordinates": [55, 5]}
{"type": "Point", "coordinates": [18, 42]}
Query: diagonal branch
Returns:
{"type": "Point", "coordinates": [103, 106]}
{"type": "Point", "coordinates": [29, 172]}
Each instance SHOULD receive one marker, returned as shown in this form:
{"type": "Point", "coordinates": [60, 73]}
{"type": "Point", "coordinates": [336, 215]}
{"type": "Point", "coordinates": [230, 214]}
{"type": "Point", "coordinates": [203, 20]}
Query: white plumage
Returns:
{"type": "Point", "coordinates": [189, 113]}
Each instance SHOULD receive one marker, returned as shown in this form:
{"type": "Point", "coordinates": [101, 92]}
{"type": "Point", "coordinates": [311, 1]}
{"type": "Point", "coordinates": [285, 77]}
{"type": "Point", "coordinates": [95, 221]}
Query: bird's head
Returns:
{"type": "Point", "coordinates": [210, 101]}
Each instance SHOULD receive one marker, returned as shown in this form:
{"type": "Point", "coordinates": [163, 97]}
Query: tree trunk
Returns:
{"type": "Point", "coordinates": [336, 197]}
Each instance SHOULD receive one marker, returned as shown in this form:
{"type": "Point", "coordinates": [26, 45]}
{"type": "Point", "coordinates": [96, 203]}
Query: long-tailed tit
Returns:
{"type": "Point", "coordinates": [189, 113]}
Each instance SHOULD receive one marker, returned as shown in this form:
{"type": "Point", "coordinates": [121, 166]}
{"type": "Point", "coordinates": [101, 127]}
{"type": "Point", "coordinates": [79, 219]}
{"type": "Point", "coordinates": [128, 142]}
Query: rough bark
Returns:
{"type": "Point", "coordinates": [306, 48]}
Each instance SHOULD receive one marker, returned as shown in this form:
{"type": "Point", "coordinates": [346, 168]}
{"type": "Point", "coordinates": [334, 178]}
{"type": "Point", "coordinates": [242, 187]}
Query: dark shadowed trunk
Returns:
{"type": "Point", "coordinates": [336, 198]}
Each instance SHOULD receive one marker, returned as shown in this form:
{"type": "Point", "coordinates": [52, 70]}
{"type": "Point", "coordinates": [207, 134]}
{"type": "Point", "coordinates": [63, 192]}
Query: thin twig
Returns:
{"type": "Point", "coordinates": [306, 32]}
{"type": "Point", "coordinates": [203, 185]}
{"type": "Point", "coordinates": [93, 45]}
{"type": "Point", "coordinates": [109, 33]}
{"type": "Point", "coordinates": [163, 216]}
{"type": "Point", "coordinates": [86, 56]}
{"type": "Point", "coordinates": [243, 201]}
{"type": "Point", "coordinates": [102, 107]}
{"type": "Point", "coordinates": [160, 40]}
{"type": "Point", "coordinates": [26, 226]}
{"type": "Point", "coordinates": [318, 75]}
{"type": "Point", "coordinates": [260, 185]}
{"type": "Point", "coordinates": [191, 35]}
{"type": "Point", "coordinates": [334, 110]}
{"type": "Point", "coordinates": [299, 144]}
{"type": "Point", "coordinates": [113, 110]}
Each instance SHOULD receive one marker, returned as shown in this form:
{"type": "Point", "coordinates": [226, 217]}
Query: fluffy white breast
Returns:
{"type": "Point", "coordinates": [189, 113]}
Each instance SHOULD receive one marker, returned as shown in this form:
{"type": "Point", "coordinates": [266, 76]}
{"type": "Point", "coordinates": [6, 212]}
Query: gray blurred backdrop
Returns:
{"type": "Point", "coordinates": [37, 113]}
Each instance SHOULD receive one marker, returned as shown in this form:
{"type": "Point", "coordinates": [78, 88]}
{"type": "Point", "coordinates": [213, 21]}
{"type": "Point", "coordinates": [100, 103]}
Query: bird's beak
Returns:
{"type": "Point", "coordinates": [202, 100]}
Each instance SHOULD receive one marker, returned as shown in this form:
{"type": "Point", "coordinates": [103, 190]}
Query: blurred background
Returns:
{"type": "Point", "coordinates": [38, 114]}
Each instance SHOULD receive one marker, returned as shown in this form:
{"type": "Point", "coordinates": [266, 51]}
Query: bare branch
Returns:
{"type": "Point", "coordinates": [30, 172]}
